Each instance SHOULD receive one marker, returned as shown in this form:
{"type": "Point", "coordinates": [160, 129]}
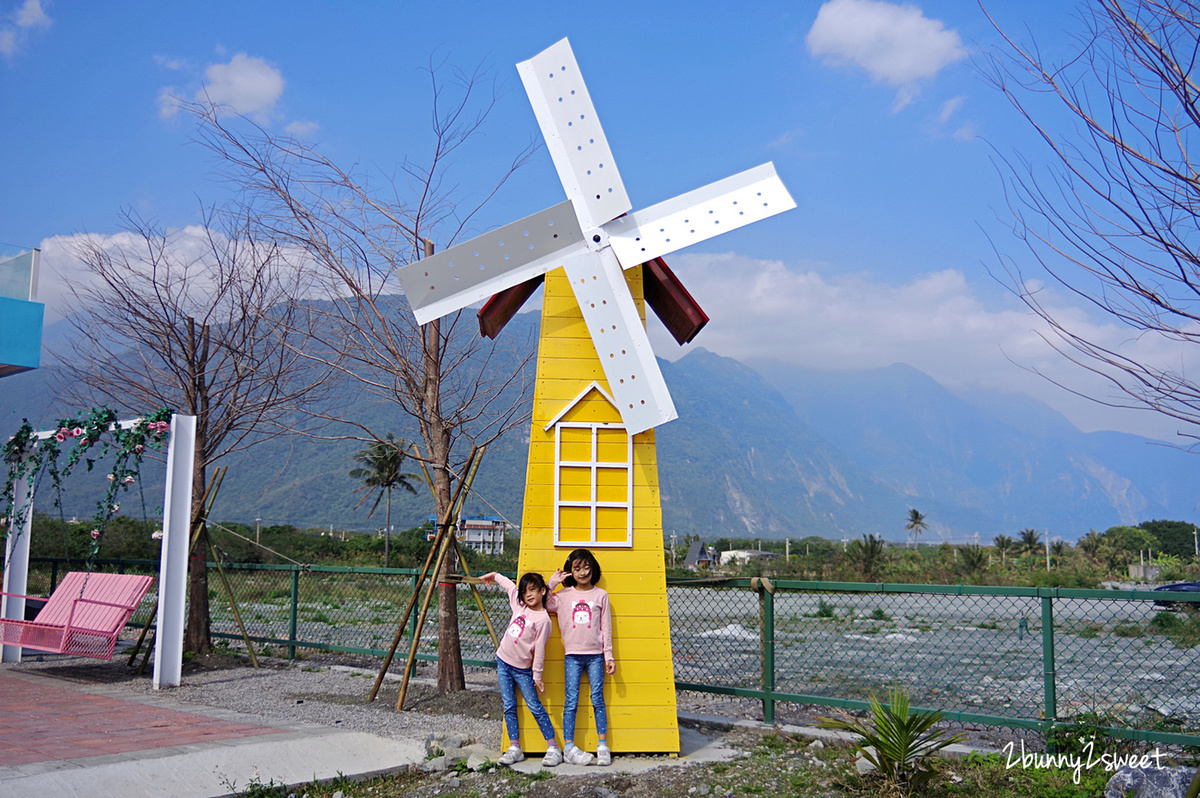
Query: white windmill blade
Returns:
{"type": "Point", "coordinates": [698, 215]}
{"type": "Point", "coordinates": [620, 339]}
{"type": "Point", "coordinates": [573, 135]}
{"type": "Point", "coordinates": [492, 262]}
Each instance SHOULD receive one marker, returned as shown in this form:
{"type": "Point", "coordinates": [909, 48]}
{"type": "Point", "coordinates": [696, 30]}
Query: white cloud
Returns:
{"type": "Point", "coordinates": [300, 129]}
{"type": "Point", "coordinates": [895, 44]}
{"type": "Point", "coordinates": [936, 323]}
{"type": "Point", "coordinates": [949, 108]}
{"type": "Point", "coordinates": [31, 15]}
{"type": "Point", "coordinates": [248, 85]}
{"type": "Point", "coordinates": [188, 251]}
{"type": "Point", "coordinates": [172, 63]}
{"type": "Point", "coordinates": [169, 102]}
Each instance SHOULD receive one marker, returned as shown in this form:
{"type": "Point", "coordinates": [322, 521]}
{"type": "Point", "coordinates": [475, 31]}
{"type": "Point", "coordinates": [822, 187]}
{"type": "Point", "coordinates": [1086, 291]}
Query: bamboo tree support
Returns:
{"type": "Point", "coordinates": [466, 570]}
{"type": "Point", "coordinates": [441, 532]}
{"type": "Point", "coordinates": [141, 637]}
{"type": "Point", "coordinates": [387, 662]}
{"type": "Point", "coordinates": [416, 640]}
{"type": "Point", "coordinates": [447, 524]}
{"type": "Point", "coordinates": [210, 498]}
{"type": "Point", "coordinates": [478, 599]}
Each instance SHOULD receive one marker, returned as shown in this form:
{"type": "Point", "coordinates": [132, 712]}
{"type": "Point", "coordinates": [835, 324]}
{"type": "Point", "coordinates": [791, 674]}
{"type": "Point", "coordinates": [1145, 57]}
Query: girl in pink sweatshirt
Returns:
{"type": "Point", "coordinates": [519, 662]}
{"type": "Point", "coordinates": [585, 623]}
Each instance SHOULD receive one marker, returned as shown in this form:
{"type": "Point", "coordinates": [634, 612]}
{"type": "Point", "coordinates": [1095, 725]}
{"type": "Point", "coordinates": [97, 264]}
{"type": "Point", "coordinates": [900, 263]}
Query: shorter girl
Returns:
{"type": "Point", "coordinates": [519, 662]}
{"type": "Point", "coordinates": [585, 623]}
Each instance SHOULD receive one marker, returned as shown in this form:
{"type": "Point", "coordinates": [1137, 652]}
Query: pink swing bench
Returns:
{"type": "Point", "coordinates": [83, 616]}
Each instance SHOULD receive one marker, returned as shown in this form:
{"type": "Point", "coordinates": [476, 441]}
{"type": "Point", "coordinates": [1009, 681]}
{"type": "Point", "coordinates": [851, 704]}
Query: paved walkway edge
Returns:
{"type": "Point", "coordinates": [216, 769]}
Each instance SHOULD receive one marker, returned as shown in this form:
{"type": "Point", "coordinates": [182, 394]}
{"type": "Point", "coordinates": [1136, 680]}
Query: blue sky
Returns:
{"type": "Point", "coordinates": [872, 112]}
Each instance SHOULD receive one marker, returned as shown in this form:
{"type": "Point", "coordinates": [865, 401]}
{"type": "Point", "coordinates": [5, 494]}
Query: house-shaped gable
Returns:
{"type": "Point", "coordinates": [593, 473]}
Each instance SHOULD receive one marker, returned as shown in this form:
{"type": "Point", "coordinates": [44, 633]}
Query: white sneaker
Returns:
{"type": "Point", "coordinates": [577, 756]}
{"type": "Point", "coordinates": [552, 758]}
{"type": "Point", "coordinates": [512, 756]}
{"type": "Point", "coordinates": [603, 755]}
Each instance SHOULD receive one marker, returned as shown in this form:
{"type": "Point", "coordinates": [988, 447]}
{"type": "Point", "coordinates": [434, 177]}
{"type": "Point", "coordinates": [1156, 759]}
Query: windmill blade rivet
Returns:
{"type": "Point", "coordinates": [596, 238]}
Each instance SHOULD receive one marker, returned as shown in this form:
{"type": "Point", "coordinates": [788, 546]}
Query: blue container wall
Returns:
{"type": "Point", "coordinates": [20, 335]}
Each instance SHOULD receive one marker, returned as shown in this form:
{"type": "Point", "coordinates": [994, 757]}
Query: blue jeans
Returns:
{"type": "Point", "coordinates": [522, 678]}
{"type": "Point", "coordinates": [575, 665]}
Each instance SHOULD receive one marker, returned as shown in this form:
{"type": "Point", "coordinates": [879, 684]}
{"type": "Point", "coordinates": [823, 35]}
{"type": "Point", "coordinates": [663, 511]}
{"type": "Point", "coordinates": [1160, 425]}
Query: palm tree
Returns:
{"type": "Point", "coordinates": [1089, 544]}
{"type": "Point", "coordinates": [1004, 544]}
{"type": "Point", "coordinates": [380, 465]}
{"type": "Point", "coordinates": [1030, 542]}
{"type": "Point", "coordinates": [1058, 550]}
{"type": "Point", "coordinates": [974, 558]}
{"type": "Point", "coordinates": [916, 524]}
{"type": "Point", "coordinates": [867, 554]}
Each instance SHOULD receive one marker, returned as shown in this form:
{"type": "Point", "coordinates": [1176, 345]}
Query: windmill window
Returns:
{"type": "Point", "coordinates": [593, 485]}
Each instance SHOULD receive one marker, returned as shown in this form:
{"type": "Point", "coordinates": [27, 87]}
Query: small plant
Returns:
{"type": "Point", "coordinates": [1129, 630]}
{"type": "Point", "coordinates": [898, 741]}
{"type": "Point", "coordinates": [254, 787]}
{"type": "Point", "coordinates": [825, 610]}
{"type": "Point", "coordinates": [878, 614]}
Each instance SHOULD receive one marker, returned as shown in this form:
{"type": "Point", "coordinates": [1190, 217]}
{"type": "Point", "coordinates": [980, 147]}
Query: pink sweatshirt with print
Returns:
{"type": "Point", "coordinates": [584, 620]}
{"type": "Point", "coordinates": [523, 644]}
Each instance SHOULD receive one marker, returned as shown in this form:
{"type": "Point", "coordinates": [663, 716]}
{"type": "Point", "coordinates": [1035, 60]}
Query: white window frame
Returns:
{"type": "Point", "coordinates": [595, 465]}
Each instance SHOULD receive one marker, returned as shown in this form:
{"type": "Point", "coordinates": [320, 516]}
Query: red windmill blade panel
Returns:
{"type": "Point", "coordinates": [499, 310]}
{"type": "Point", "coordinates": [676, 309]}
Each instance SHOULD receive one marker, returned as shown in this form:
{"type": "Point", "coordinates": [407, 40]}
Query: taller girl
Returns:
{"type": "Point", "coordinates": [585, 623]}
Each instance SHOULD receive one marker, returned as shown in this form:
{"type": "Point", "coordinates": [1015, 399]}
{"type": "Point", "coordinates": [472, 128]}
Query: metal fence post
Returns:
{"type": "Point", "coordinates": [766, 613]}
{"type": "Point", "coordinates": [412, 625]}
{"type": "Point", "coordinates": [1048, 658]}
{"type": "Point", "coordinates": [292, 629]}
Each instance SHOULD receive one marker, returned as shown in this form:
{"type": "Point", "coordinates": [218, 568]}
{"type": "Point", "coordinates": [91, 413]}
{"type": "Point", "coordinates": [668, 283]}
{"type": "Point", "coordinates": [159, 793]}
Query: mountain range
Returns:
{"type": "Point", "coordinates": [761, 450]}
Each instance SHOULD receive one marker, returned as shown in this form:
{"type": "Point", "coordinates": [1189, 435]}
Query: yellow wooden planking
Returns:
{"type": "Point", "coordinates": [629, 671]}
{"type": "Point", "coordinates": [641, 695]}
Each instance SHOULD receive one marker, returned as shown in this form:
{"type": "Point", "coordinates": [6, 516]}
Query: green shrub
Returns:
{"type": "Point", "coordinates": [898, 741]}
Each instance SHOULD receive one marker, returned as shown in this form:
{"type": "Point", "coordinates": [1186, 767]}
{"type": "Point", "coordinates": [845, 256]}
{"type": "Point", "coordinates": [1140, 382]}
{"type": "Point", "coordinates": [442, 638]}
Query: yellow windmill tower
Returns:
{"type": "Point", "coordinates": [592, 479]}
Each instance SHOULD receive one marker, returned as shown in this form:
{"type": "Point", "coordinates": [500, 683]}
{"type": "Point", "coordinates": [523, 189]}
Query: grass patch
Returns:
{"type": "Point", "coordinates": [1129, 630]}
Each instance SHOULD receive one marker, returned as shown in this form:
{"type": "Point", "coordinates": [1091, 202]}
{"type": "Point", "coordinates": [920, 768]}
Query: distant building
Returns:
{"type": "Point", "coordinates": [742, 556]}
{"type": "Point", "coordinates": [699, 557]}
{"type": "Point", "coordinates": [1145, 573]}
{"type": "Point", "coordinates": [482, 533]}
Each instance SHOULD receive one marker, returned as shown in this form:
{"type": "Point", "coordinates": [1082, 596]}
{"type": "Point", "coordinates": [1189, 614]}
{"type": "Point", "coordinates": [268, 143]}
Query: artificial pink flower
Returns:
{"type": "Point", "coordinates": [129, 480]}
{"type": "Point", "coordinates": [95, 534]}
{"type": "Point", "coordinates": [112, 477]}
{"type": "Point", "coordinates": [60, 436]}
{"type": "Point", "coordinates": [75, 433]}
{"type": "Point", "coordinates": [84, 442]}
{"type": "Point", "coordinates": [138, 449]}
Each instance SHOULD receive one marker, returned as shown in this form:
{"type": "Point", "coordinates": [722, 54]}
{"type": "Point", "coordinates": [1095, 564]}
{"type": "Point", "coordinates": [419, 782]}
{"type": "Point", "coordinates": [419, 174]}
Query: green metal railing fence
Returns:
{"type": "Point", "coordinates": [1020, 657]}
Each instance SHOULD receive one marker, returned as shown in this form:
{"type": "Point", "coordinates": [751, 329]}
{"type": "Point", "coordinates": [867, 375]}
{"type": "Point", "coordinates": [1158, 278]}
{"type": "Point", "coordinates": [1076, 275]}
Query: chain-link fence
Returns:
{"type": "Point", "coordinates": [1021, 657]}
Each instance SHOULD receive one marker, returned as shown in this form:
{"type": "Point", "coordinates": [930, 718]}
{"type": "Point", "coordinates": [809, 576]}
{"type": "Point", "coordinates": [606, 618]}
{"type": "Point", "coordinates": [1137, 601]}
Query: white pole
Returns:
{"type": "Point", "coordinates": [173, 564]}
{"type": "Point", "coordinates": [16, 571]}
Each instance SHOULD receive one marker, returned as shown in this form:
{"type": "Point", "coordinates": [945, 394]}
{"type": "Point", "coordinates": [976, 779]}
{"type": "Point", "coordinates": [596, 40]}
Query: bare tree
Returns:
{"type": "Point", "coordinates": [458, 390]}
{"type": "Point", "coordinates": [203, 323]}
{"type": "Point", "coordinates": [1113, 219]}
